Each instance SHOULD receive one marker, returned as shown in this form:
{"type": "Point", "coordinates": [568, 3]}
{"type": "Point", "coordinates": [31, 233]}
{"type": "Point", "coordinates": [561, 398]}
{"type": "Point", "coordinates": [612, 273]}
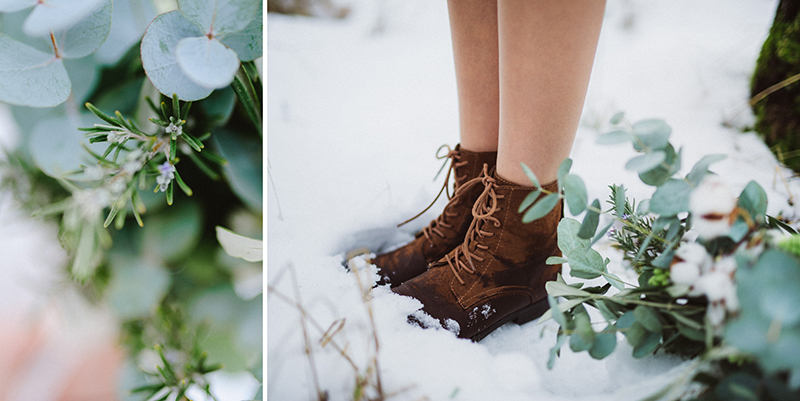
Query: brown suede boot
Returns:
{"type": "Point", "coordinates": [446, 231]}
{"type": "Point", "coordinates": [498, 274]}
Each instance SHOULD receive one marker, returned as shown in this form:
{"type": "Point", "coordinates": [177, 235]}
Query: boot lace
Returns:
{"type": "Point", "coordinates": [482, 212]}
{"type": "Point", "coordinates": [441, 222]}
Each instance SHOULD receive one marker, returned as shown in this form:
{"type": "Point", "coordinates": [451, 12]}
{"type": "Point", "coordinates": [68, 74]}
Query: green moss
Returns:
{"type": "Point", "coordinates": [787, 46]}
{"type": "Point", "coordinates": [778, 115]}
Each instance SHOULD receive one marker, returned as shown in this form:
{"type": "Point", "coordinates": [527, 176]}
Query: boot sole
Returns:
{"type": "Point", "coordinates": [520, 317]}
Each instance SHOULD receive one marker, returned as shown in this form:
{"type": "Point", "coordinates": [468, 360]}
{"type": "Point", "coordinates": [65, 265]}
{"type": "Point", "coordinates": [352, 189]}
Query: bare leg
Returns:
{"type": "Point", "coordinates": [546, 51]}
{"type": "Point", "coordinates": [473, 24]}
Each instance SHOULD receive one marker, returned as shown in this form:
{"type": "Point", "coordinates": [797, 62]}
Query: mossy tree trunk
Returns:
{"type": "Point", "coordinates": [778, 114]}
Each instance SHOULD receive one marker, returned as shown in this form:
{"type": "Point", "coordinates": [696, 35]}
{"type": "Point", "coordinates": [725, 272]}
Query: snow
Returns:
{"type": "Point", "coordinates": [356, 110]}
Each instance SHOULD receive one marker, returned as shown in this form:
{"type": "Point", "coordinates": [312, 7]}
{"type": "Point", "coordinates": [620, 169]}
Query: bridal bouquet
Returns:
{"type": "Point", "coordinates": [718, 278]}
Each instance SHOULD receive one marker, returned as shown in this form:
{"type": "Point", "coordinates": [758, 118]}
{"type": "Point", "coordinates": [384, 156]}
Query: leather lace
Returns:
{"type": "Point", "coordinates": [434, 227]}
{"type": "Point", "coordinates": [482, 212]}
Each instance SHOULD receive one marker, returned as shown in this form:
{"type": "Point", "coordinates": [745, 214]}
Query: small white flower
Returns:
{"type": "Point", "coordinates": [91, 201]}
{"type": "Point", "coordinates": [117, 136]}
{"type": "Point", "coordinates": [684, 273]}
{"type": "Point", "coordinates": [726, 265]}
{"type": "Point", "coordinates": [167, 174]}
{"type": "Point", "coordinates": [694, 253]}
{"type": "Point", "coordinates": [131, 167]}
{"type": "Point", "coordinates": [715, 313]}
{"type": "Point", "coordinates": [715, 285]}
{"type": "Point", "coordinates": [135, 155]}
{"type": "Point", "coordinates": [116, 185]}
{"type": "Point", "coordinates": [95, 172]}
{"type": "Point", "coordinates": [176, 129]}
{"type": "Point", "coordinates": [711, 205]}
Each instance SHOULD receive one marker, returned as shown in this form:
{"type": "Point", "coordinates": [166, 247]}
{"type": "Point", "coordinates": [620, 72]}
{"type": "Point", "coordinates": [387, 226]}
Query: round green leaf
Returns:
{"type": "Point", "coordinates": [55, 145]}
{"type": "Point", "coordinates": [158, 56]}
{"type": "Point", "coordinates": [604, 343]}
{"type": "Point", "coordinates": [646, 162]}
{"type": "Point", "coordinates": [172, 234]}
{"type": "Point", "coordinates": [575, 193]}
{"type": "Point", "coordinates": [616, 118]}
{"type": "Point", "coordinates": [653, 134]}
{"type": "Point", "coordinates": [590, 222]}
{"type": "Point", "coordinates": [248, 42]}
{"type": "Point", "coordinates": [207, 62]}
{"type": "Point", "coordinates": [87, 35]}
{"type": "Point", "coordinates": [217, 17]}
{"type": "Point", "coordinates": [568, 239]}
{"type": "Point", "coordinates": [137, 287]}
{"type": "Point", "coordinates": [130, 22]}
{"type": "Point", "coordinates": [614, 137]}
{"type": "Point", "coordinates": [29, 77]}
{"type": "Point", "coordinates": [244, 170]}
{"type": "Point", "coordinates": [57, 15]}
{"type": "Point", "coordinates": [648, 318]}
{"type": "Point", "coordinates": [10, 6]}
{"type": "Point", "coordinates": [700, 168]}
{"type": "Point", "coordinates": [671, 198]}
{"type": "Point", "coordinates": [541, 208]}
{"type": "Point", "coordinates": [585, 263]}
{"type": "Point", "coordinates": [754, 200]}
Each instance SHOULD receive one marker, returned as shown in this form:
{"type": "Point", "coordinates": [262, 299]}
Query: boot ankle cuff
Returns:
{"type": "Point", "coordinates": [551, 186]}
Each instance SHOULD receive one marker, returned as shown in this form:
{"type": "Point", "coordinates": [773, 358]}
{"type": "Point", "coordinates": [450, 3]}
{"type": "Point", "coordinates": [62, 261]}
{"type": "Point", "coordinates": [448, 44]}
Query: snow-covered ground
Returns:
{"type": "Point", "coordinates": [356, 110]}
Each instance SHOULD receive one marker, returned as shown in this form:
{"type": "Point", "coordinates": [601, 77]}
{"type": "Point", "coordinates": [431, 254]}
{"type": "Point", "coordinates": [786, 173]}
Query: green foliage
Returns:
{"type": "Point", "coordinates": [672, 309]}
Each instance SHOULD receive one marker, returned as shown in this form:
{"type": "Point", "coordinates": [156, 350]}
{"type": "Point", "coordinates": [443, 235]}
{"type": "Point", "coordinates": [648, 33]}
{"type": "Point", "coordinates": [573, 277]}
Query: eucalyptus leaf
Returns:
{"type": "Point", "coordinates": [557, 289]}
{"type": "Point", "coordinates": [563, 170]}
{"type": "Point", "coordinates": [218, 17]}
{"type": "Point", "coordinates": [555, 260]}
{"type": "Point", "coordinates": [671, 198]}
{"type": "Point", "coordinates": [575, 194]}
{"type": "Point", "coordinates": [614, 137]}
{"type": "Point", "coordinates": [248, 42]}
{"type": "Point", "coordinates": [602, 232]}
{"type": "Point", "coordinates": [29, 77]}
{"type": "Point", "coordinates": [558, 315]}
{"type": "Point", "coordinates": [663, 172]}
{"type": "Point", "coordinates": [651, 134]}
{"type": "Point", "coordinates": [646, 162]}
{"type": "Point", "coordinates": [648, 345]}
{"type": "Point", "coordinates": [616, 118]}
{"type": "Point", "coordinates": [590, 221]}
{"type": "Point", "coordinates": [614, 280]}
{"type": "Point", "coordinates": [541, 208]}
{"type": "Point", "coordinates": [10, 6]}
{"type": "Point", "coordinates": [556, 350]}
{"type": "Point", "coordinates": [131, 18]}
{"type": "Point", "coordinates": [648, 318]}
{"type": "Point", "coordinates": [158, 56]}
{"type": "Point", "coordinates": [244, 170]}
{"type": "Point", "coordinates": [604, 343]}
{"type": "Point", "coordinates": [218, 107]}
{"type": "Point", "coordinates": [87, 35]}
{"type": "Point", "coordinates": [172, 235]}
{"type": "Point", "coordinates": [137, 287]}
{"type": "Point", "coordinates": [207, 62]}
{"type": "Point", "coordinates": [583, 336]}
{"type": "Point", "coordinates": [753, 199]}
{"type": "Point", "coordinates": [585, 263]}
{"type": "Point", "coordinates": [57, 15]}
{"type": "Point", "coordinates": [531, 176]}
{"type": "Point", "coordinates": [700, 169]}
{"type": "Point", "coordinates": [55, 144]}
{"type": "Point", "coordinates": [568, 239]}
